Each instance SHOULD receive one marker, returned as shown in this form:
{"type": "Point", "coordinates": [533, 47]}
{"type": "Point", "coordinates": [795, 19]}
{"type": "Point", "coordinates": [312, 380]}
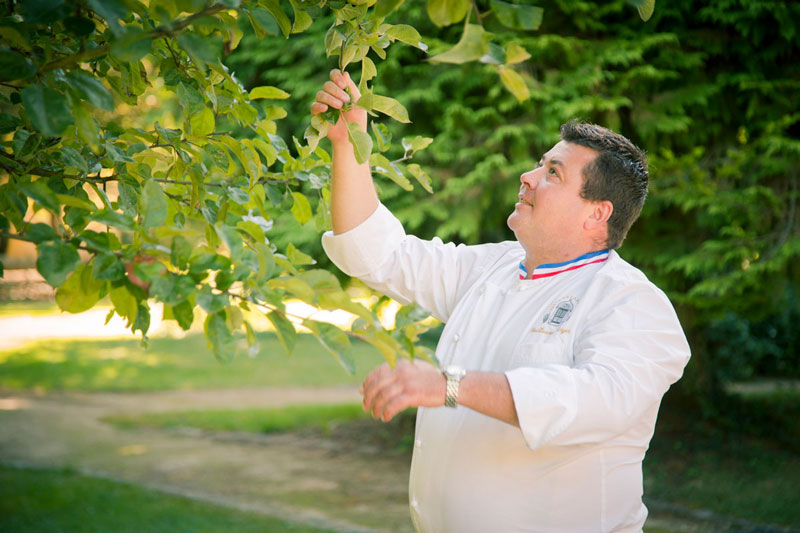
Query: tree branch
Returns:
{"type": "Point", "coordinates": [160, 31]}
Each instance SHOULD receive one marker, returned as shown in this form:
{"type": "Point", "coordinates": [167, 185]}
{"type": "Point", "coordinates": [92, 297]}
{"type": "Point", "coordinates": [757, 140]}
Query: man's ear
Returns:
{"type": "Point", "coordinates": [599, 215]}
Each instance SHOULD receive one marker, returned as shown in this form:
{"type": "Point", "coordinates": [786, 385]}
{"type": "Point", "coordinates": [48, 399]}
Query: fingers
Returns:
{"type": "Point", "coordinates": [343, 81]}
{"type": "Point", "coordinates": [318, 108]}
{"type": "Point", "coordinates": [388, 391]}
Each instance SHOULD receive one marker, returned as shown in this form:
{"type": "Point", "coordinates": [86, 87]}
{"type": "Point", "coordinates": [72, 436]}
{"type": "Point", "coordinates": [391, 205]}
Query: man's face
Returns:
{"type": "Point", "coordinates": [550, 211]}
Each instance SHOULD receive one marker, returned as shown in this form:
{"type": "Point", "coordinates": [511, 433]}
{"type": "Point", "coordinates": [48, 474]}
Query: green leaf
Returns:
{"type": "Point", "coordinates": [15, 66]}
{"type": "Point", "coordinates": [80, 292]}
{"type": "Point", "coordinates": [39, 233]}
{"type": "Point", "coordinates": [43, 11]}
{"type": "Point", "coordinates": [262, 21]}
{"type": "Point", "coordinates": [108, 267]}
{"type": "Point", "coordinates": [382, 134]}
{"type": "Point", "coordinates": [474, 43]}
{"type": "Point", "coordinates": [91, 89]}
{"type": "Point", "coordinates": [48, 110]}
{"type": "Point", "coordinates": [446, 12]}
{"type": "Point", "coordinates": [42, 194]}
{"type": "Point", "coordinates": [284, 330]}
{"type": "Point", "coordinates": [384, 7]}
{"type": "Point", "coordinates": [516, 16]}
{"type": "Point", "coordinates": [297, 257]}
{"type": "Point", "coordinates": [79, 26]}
{"type": "Point", "coordinates": [274, 8]}
{"type": "Point", "coordinates": [516, 54]}
{"type": "Point", "coordinates": [131, 46]}
{"type": "Point", "coordinates": [383, 166]}
{"type": "Point", "coordinates": [301, 209]}
{"type": "Point", "coordinates": [334, 340]}
{"type": "Point", "coordinates": [112, 218]}
{"type": "Point", "coordinates": [72, 201]}
{"type": "Point", "coordinates": [384, 104]}
{"type": "Point", "coordinates": [125, 303]}
{"type": "Point", "coordinates": [202, 123]}
{"type": "Point", "coordinates": [644, 7]}
{"type": "Point", "coordinates": [514, 83]}
{"type": "Point", "coordinates": [87, 127]}
{"type": "Point", "coordinates": [294, 285]}
{"type": "Point", "coordinates": [153, 205]}
{"type": "Point", "coordinates": [210, 301]}
{"type": "Point", "coordinates": [111, 10]}
{"type": "Point", "coordinates": [420, 176]}
{"type": "Point", "coordinates": [202, 48]}
{"type": "Point", "coordinates": [190, 98]}
{"type": "Point", "coordinates": [180, 252]}
{"type": "Point", "coordinates": [406, 34]}
{"type": "Point", "coordinates": [386, 344]}
{"type": "Point", "coordinates": [302, 20]}
{"type": "Point", "coordinates": [361, 141]}
{"type": "Point", "coordinates": [8, 123]}
{"type": "Point", "coordinates": [218, 337]}
{"type": "Point", "coordinates": [416, 143]}
{"type": "Point", "coordinates": [72, 158]}
{"type": "Point", "coordinates": [55, 261]}
{"type": "Point", "coordinates": [183, 314]}
{"type": "Point", "coordinates": [272, 93]}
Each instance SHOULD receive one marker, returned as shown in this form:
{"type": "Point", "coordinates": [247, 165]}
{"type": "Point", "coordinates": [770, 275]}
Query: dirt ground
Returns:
{"type": "Point", "coordinates": [336, 480]}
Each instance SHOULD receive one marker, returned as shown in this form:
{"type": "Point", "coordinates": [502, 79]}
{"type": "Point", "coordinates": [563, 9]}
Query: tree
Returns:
{"type": "Point", "coordinates": [165, 175]}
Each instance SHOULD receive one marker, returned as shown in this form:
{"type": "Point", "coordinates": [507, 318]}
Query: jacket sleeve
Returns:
{"type": "Point", "coordinates": [431, 273]}
{"type": "Point", "coordinates": [630, 351]}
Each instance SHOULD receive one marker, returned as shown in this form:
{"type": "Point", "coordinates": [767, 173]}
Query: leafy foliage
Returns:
{"type": "Point", "coordinates": [165, 174]}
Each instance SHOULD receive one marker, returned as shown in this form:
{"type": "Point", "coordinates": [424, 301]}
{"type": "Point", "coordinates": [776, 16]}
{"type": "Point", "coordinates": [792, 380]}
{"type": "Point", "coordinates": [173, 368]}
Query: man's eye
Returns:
{"type": "Point", "coordinates": [552, 172]}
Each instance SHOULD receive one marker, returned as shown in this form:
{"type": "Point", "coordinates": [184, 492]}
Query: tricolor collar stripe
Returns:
{"type": "Point", "coordinates": [581, 258]}
{"type": "Point", "coordinates": [551, 269]}
{"type": "Point", "coordinates": [574, 267]}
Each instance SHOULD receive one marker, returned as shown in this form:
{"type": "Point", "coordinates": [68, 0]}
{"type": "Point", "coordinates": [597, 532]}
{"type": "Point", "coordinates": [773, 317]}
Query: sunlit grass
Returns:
{"type": "Point", "coordinates": [264, 420]}
{"type": "Point", "coordinates": [33, 501]}
{"type": "Point", "coordinates": [169, 363]}
{"type": "Point", "coordinates": [38, 308]}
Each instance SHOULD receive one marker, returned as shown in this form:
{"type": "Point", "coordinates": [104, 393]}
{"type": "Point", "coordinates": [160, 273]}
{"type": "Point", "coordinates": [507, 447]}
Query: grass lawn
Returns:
{"type": "Point", "coordinates": [45, 307]}
{"type": "Point", "coordinates": [60, 500]}
{"type": "Point", "coordinates": [265, 420]}
{"type": "Point", "coordinates": [747, 468]}
{"type": "Point", "coordinates": [168, 364]}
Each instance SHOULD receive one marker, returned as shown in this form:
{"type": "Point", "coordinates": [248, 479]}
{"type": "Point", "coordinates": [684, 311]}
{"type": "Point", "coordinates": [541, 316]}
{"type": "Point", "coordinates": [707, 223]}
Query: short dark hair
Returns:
{"type": "Point", "coordinates": [618, 174]}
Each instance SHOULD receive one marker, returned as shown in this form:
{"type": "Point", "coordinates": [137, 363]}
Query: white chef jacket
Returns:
{"type": "Point", "coordinates": [589, 347]}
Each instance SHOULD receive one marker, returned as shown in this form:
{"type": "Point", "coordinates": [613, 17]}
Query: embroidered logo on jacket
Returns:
{"type": "Point", "coordinates": [557, 316]}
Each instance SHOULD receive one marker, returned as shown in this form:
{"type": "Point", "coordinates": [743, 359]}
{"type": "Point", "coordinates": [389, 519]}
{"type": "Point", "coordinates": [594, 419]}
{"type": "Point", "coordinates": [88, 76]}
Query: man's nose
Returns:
{"type": "Point", "coordinates": [529, 179]}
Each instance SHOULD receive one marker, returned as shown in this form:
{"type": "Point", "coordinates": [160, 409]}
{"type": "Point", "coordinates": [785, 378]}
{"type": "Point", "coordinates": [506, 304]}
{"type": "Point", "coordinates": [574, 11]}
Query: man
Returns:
{"type": "Point", "coordinates": [556, 352]}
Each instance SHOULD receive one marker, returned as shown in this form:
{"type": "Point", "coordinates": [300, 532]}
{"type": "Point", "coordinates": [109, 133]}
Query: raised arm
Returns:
{"type": "Point", "coordinates": [353, 196]}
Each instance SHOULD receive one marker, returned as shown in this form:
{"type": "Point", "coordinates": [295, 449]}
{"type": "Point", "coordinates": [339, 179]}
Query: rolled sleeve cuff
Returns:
{"type": "Point", "coordinates": [363, 249]}
{"type": "Point", "coordinates": [546, 403]}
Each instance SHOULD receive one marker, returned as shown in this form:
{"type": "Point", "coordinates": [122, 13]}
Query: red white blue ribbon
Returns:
{"type": "Point", "coordinates": [553, 269]}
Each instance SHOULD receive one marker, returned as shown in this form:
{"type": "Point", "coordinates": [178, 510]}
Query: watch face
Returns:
{"type": "Point", "coordinates": [454, 371]}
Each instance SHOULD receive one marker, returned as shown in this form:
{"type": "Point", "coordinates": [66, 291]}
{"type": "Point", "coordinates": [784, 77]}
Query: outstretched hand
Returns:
{"type": "Point", "coordinates": [388, 391]}
{"type": "Point", "coordinates": [334, 94]}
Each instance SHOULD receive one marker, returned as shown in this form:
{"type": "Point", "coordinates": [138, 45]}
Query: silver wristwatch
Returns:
{"type": "Point", "coordinates": [453, 374]}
